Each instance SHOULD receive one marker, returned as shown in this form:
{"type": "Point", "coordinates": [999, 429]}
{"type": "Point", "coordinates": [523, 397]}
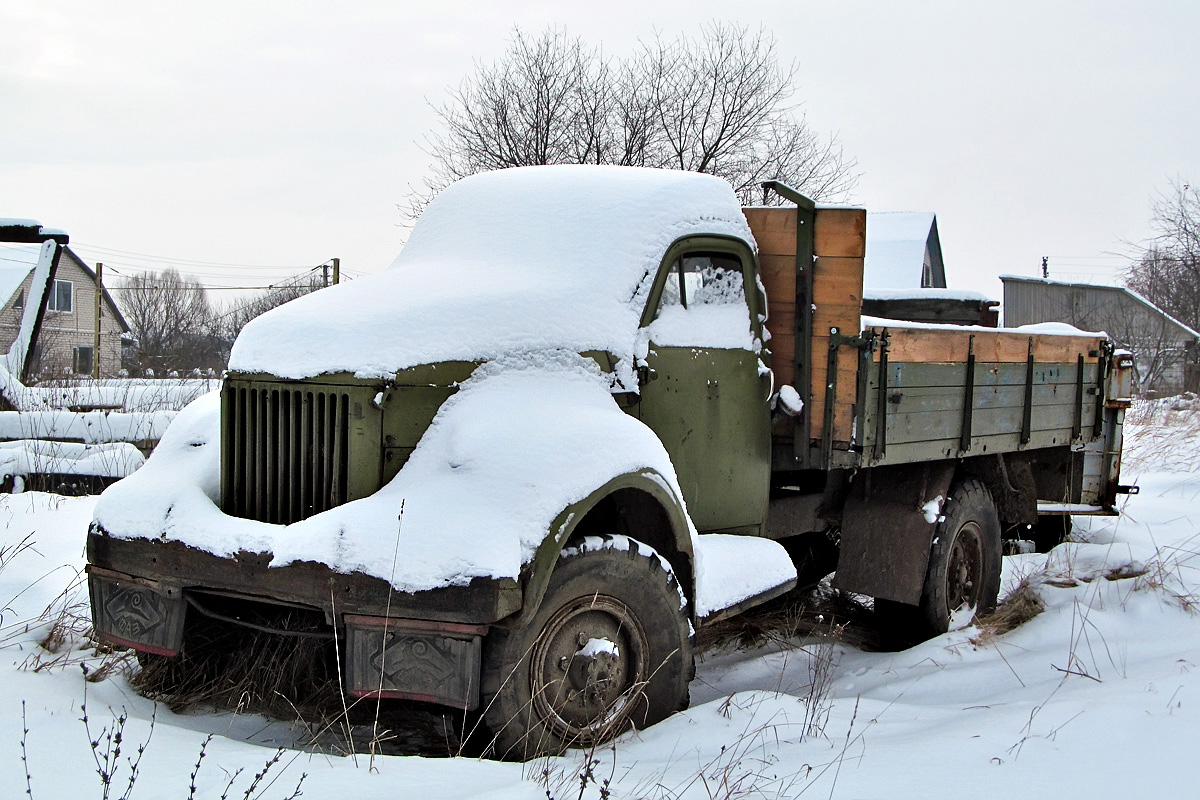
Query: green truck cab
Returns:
{"type": "Point", "coordinates": [515, 472]}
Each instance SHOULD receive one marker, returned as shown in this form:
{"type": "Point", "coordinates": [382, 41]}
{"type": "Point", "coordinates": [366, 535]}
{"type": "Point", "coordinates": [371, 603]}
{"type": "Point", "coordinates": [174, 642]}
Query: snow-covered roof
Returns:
{"type": "Point", "coordinates": [35, 231]}
{"type": "Point", "coordinates": [897, 243]}
{"type": "Point", "coordinates": [965, 295]}
{"type": "Point", "coordinates": [1119, 290]}
{"type": "Point", "coordinates": [13, 274]}
{"type": "Point", "coordinates": [519, 259]}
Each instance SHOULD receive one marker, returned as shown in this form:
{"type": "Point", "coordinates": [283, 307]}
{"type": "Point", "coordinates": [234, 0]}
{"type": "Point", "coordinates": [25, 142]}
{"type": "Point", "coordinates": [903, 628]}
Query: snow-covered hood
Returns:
{"type": "Point", "coordinates": [524, 438]}
{"type": "Point", "coordinates": [515, 260]}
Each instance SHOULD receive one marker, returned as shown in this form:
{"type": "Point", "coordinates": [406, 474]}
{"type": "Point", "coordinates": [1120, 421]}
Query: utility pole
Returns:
{"type": "Point", "coordinates": [99, 310]}
{"type": "Point", "coordinates": [337, 271]}
{"type": "Point", "coordinates": [1045, 266]}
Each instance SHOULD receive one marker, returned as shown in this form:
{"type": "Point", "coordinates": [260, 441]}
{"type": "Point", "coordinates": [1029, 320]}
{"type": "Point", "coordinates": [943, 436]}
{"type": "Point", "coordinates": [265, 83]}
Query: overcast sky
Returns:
{"type": "Point", "coordinates": [283, 134]}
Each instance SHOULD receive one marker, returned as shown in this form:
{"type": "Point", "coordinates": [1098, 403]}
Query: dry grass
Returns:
{"type": "Point", "coordinates": [1018, 607]}
{"type": "Point", "coordinates": [242, 670]}
{"type": "Point", "coordinates": [797, 614]}
{"type": "Point", "coordinates": [293, 679]}
{"type": "Point", "coordinates": [1160, 435]}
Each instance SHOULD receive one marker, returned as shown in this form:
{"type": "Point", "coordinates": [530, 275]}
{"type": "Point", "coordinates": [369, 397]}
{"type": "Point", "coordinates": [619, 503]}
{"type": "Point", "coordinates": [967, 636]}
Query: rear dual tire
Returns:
{"type": "Point", "coordinates": [963, 576]}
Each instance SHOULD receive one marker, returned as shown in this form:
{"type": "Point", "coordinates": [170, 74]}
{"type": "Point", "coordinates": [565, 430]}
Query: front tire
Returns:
{"type": "Point", "coordinates": [609, 648]}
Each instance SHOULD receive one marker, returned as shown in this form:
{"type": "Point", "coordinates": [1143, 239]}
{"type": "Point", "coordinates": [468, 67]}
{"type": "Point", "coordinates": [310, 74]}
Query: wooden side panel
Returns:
{"type": "Point", "coordinates": [837, 295]}
{"type": "Point", "coordinates": [925, 408]}
{"type": "Point", "coordinates": [779, 280]}
{"type": "Point", "coordinates": [948, 346]}
{"type": "Point", "coordinates": [841, 232]}
{"type": "Point", "coordinates": [775, 231]}
{"type": "Point", "coordinates": [839, 244]}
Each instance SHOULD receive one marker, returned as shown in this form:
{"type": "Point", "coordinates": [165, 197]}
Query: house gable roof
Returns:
{"type": "Point", "coordinates": [110, 304]}
{"type": "Point", "coordinates": [898, 245]}
{"type": "Point", "coordinates": [13, 274]}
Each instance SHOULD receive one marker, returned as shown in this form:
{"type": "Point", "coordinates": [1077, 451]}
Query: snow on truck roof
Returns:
{"type": "Point", "coordinates": [519, 259]}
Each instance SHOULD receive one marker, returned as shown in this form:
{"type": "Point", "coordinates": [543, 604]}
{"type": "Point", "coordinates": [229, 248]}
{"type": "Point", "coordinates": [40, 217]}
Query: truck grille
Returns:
{"type": "Point", "coordinates": [285, 452]}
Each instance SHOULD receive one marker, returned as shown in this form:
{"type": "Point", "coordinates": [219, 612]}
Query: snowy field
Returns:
{"type": "Point", "coordinates": [1098, 696]}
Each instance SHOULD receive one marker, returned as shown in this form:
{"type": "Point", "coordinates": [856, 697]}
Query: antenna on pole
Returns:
{"type": "Point", "coordinates": [1045, 266]}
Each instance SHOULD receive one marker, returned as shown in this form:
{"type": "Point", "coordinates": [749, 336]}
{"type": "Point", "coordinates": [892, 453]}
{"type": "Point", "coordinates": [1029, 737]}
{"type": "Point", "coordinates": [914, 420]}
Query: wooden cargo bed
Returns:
{"type": "Point", "coordinates": [907, 392]}
{"type": "Point", "coordinates": [944, 392]}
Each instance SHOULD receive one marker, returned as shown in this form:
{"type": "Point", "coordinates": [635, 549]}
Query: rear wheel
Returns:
{"type": "Point", "coordinates": [963, 576]}
{"type": "Point", "coordinates": [608, 649]}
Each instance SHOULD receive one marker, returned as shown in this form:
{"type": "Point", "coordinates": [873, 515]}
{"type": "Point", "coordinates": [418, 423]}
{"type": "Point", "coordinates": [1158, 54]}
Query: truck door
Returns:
{"type": "Point", "coordinates": [704, 384]}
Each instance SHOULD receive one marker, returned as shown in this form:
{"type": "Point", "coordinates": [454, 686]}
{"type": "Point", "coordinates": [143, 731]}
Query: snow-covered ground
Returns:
{"type": "Point", "coordinates": [1099, 696]}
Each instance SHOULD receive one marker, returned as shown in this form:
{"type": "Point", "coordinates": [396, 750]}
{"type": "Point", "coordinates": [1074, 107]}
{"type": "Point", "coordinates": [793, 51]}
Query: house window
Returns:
{"type": "Point", "coordinates": [61, 296]}
{"type": "Point", "coordinates": [81, 360]}
{"type": "Point", "coordinates": [20, 301]}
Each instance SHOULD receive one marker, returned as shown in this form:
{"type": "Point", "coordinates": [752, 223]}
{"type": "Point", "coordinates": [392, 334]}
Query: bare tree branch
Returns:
{"type": "Point", "coordinates": [717, 104]}
{"type": "Point", "coordinates": [173, 322]}
{"type": "Point", "coordinates": [1168, 272]}
{"type": "Point", "coordinates": [234, 316]}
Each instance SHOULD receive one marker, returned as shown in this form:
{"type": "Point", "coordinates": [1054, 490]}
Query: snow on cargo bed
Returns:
{"type": "Point", "coordinates": [523, 438]}
{"type": "Point", "coordinates": [1040, 328]}
{"type": "Point", "coordinates": [519, 259]}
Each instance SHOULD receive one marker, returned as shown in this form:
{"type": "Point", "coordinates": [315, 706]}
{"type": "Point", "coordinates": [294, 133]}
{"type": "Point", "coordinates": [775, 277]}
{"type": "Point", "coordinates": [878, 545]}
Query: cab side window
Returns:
{"type": "Point", "coordinates": [697, 280]}
{"type": "Point", "coordinates": [703, 304]}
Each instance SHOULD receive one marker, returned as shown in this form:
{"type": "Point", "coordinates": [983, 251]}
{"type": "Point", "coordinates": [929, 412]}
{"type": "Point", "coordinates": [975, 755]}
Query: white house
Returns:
{"type": "Point", "coordinates": [66, 340]}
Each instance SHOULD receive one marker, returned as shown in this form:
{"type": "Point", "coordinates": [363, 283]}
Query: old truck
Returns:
{"type": "Point", "coordinates": [586, 412]}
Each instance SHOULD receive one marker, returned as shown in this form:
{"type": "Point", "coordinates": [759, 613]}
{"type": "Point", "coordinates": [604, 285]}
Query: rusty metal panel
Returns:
{"type": "Point", "coordinates": [409, 659]}
{"type": "Point", "coordinates": [885, 536]}
{"type": "Point", "coordinates": [135, 612]}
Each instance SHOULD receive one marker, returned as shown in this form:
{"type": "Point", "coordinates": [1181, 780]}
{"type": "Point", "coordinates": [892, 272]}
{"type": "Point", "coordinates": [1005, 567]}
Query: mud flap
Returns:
{"type": "Point", "coordinates": [135, 612]}
{"type": "Point", "coordinates": [435, 662]}
{"type": "Point", "coordinates": [885, 534]}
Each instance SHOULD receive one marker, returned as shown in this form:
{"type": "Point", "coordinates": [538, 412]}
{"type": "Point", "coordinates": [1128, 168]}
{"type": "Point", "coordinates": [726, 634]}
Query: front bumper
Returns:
{"type": "Point", "coordinates": [135, 612]}
{"type": "Point", "coordinates": [415, 645]}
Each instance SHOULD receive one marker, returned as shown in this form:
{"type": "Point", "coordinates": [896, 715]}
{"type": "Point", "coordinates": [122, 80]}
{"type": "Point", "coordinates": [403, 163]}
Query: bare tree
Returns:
{"type": "Point", "coordinates": [718, 104]}
{"type": "Point", "coordinates": [1168, 272]}
{"type": "Point", "coordinates": [173, 322]}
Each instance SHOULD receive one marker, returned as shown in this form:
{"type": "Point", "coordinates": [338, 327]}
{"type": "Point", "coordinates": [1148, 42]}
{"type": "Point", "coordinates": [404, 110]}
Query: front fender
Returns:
{"type": "Point", "coordinates": [679, 549]}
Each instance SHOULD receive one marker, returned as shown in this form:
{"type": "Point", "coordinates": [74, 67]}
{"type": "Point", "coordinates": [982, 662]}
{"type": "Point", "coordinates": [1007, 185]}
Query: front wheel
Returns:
{"type": "Point", "coordinates": [608, 649]}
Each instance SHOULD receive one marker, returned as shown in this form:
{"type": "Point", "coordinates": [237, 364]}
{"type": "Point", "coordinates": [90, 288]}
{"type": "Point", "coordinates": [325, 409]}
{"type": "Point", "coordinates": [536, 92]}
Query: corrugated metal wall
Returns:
{"type": "Point", "coordinates": [1129, 320]}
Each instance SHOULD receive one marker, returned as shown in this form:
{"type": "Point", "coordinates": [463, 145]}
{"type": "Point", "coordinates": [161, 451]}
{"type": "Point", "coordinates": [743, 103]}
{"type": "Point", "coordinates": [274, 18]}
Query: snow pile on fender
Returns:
{"type": "Point", "coordinates": [522, 259]}
{"type": "Point", "coordinates": [525, 436]}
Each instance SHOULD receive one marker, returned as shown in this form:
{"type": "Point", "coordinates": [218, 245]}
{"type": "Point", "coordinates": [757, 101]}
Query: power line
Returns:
{"type": "Point", "coordinates": [193, 288]}
{"type": "Point", "coordinates": [172, 260]}
{"type": "Point", "coordinates": [142, 268]}
{"type": "Point", "coordinates": [292, 282]}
